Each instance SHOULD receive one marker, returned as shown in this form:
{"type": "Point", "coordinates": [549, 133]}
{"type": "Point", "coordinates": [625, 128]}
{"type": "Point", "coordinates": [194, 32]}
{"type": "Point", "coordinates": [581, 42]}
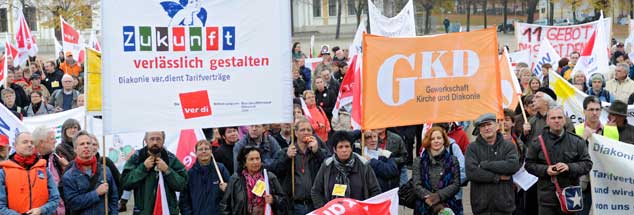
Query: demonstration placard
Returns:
{"type": "Point", "coordinates": [412, 80]}
{"type": "Point", "coordinates": [612, 176]}
{"type": "Point", "coordinates": [195, 65]}
{"type": "Point", "coordinates": [402, 24]}
{"type": "Point", "coordinates": [564, 39]}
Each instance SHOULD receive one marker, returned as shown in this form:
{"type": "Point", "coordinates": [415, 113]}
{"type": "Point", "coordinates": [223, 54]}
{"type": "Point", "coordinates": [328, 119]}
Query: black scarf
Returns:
{"type": "Point", "coordinates": [344, 168]}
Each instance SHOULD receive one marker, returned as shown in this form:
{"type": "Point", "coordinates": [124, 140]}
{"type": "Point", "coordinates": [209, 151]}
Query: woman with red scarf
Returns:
{"type": "Point", "coordinates": [42, 196]}
{"type": "Point", "coordinates": [318, 119]}
{"type": "Point", "coordinates": [84, 187]}
{"type": "Point", "coordinates": [245, 194]}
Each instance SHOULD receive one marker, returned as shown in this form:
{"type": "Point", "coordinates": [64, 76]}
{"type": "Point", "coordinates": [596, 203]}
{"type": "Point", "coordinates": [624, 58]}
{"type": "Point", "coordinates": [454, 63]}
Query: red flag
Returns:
{"type": "Point", "coordinates": [356, 118]}
{"type": "Point", "coordinates": [186, 147]}
{"type": "Point", "coordinates": [3, 69]}
{"type": "Point", "coordinates": [11, 50]}
{"type": "Point", "coordinates": [160, 202]}
{"type": "Point", "coordinates": [345, 91]}
{"type": "Point", "coordinates": [70, 40]}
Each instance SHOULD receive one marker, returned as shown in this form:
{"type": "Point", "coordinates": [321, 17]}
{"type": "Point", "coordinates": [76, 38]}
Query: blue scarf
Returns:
{"type": "Point", "coordinates": [421, 207]}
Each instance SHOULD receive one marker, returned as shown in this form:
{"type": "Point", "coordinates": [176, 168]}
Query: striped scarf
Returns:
{"type": "Point", "coordinates": [448, 173]}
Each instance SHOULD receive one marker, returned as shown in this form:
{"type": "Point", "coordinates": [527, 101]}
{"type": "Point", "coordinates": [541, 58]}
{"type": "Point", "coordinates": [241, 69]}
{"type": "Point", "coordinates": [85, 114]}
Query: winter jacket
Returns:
{"type": "Point", "coordinates": [603, 95]}
{"type": "Point", "coordinates": [267, 144]}
{"type": "Point", "coordinates": [386, 171]}
{"type": "Point", "coordinates": [626, 133]}
{"type": "Point", "coordinates": [235, 200]}
{"type": "Point", "coordinates": [224, 155]}
{"type": "Point", "coordinates": [326, 100]}
{"type": "Point", "coordinates": [32, 177]}
{"type": "Point", "coordinates": [485, 164]}
{"type": "Point", "coordinates": [396, 146]}
{"type": "Point", "coordinates": [305, 163]}
{"type": "Point", "coordinates": [21, 98]}
{"type": "Point", "coordinates": [321, 191]}
{"type": "Point", "coordinates": [57, 98]}
{"type": "Point", "coordinates": [81, 198]}
{"type": "Point", "coordinates": [569, 149]}
{"type": "Point", "coordinates": [436, 171]}
{"type": "Point", "coordinates": [45, 108]}
{"type": "Point", "coordinates": [299, 86]}
{"type": "Point", "coordinates": [145, 182]}
{"type": "Point", "coordinates": [53, 81]}
{"type": "Point", "coordinates": [460, 136]}
{"type": "Point", "coordinates": [202, 194]}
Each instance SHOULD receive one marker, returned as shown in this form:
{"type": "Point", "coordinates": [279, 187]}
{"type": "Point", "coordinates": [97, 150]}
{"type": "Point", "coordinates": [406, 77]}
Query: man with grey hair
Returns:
{"type": "Point", "coordinates": [141, 174]}
{"type": "Point", "coordinates": [621, 86]}
{"type": "Point", "coordinates": [543, 100]}
{"type": "Point", "coordinates": [569, 159]}
{"type": "Point", "coordinates": [65, 98]}
{"type": "Point", "coordinates": [44, 141]}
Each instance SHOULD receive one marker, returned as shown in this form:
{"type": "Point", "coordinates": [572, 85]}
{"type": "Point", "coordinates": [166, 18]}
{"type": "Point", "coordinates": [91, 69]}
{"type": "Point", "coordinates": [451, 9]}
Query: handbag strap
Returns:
{"type": "Point", "coordinates": [552, 178]}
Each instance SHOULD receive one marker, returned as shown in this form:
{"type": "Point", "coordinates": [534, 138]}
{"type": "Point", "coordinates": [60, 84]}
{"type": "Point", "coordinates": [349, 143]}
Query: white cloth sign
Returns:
{"type": "Point", "coordinates": [402, 24]}
{"type": "Point", "coordinates": [546, 55]}
{"type": "Point", "coordinates": [10, 125]}
{"type": "Point", "coordinates": [564, 39]}
{"type": "Point", "coordinates": [612, 176]}
{"type": "Point", "coordinates": [56, 120]}
{"type": "Point", "coordinates": [201, 64]}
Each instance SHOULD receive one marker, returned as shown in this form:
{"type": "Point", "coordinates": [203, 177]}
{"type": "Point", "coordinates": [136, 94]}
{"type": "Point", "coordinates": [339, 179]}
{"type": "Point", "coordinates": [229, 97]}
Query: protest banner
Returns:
{"type": "Point", "coordinates": [211, 66]}
{"type": "Point", "coordinates": [10, 125]}
{"type": "Point", "coordinates": [612, 176]}
{"type": "Point", "coordinates": [595, 55]}
{"type": "Point", "coordinates": [511, 90]}
{"type": "Point", "coordinates": [564, 39]}
{"type": "Point", "coordinates": [546, 55]}
{"type": "Point", "coordinates": [571, 99]}
{"type": "Point", "coordinates": [402, 24]}
{"type": "Point", "coordinates": [93, 80]}
{"type": "Point", "coordinates": [25, 42]}
{"type": "Point", "coordinates": [385, 203]}
{"type": "Point", "coordinates": [519, 56]}
{"type": "Point", "coordinates": [56, 120]}
{"type": "Point", "coordinates": [411, 80]}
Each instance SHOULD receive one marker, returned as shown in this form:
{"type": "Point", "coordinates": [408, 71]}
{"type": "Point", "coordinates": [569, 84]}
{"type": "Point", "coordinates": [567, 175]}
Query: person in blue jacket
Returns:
{"type": "Point", "coordinates": [204, 188]}
{"type": "Point", "coordinates": [381, 161]}
{"type": "Point", "coordinates": [85, 189]}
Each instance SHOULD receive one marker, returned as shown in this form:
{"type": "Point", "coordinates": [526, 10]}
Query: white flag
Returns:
{"type": "Point", "coordinates": [547, 54]}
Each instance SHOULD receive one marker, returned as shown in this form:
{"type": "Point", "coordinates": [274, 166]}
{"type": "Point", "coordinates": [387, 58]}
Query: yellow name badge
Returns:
{"type": "Point", "coordinates": [55, 84]}
{"type": "Point", "coordinates": [339, 190]}
{"type": "Point", "coordinates": [259, 188]}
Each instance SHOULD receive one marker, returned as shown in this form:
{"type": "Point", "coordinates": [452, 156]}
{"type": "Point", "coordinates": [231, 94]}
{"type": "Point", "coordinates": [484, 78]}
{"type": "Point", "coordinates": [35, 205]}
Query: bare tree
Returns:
{"type": "Point", "coordinates": [339, 6]}
{"type": "Point", "coordinates": [77, 12]}
{"type": "Point", "coordinates": [530, 10]}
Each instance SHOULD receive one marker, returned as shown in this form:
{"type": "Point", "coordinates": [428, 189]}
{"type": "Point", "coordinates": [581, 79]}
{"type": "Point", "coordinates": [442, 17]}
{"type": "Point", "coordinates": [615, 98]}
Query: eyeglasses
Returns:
{"type": "Point", "coordinates": [594, 109]}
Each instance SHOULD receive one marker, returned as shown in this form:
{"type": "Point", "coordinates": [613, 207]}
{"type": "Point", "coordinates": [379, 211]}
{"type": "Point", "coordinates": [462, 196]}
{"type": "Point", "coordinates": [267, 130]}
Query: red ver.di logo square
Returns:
{"type": "Point", "coordinates": [195, 104]}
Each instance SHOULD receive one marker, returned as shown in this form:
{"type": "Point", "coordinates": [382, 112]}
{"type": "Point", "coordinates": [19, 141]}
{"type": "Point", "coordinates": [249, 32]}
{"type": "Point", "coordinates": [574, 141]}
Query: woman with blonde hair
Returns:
{"type": "Point", "coordinates": [318, 119]}
{"type": "Point", "coordinates": [436, 176]}
{"type": "Point", "coordinates": [533, 85]}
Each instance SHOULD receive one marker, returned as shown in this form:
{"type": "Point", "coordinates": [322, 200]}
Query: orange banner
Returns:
{"type": "Point", "coordinates": [444, 78]}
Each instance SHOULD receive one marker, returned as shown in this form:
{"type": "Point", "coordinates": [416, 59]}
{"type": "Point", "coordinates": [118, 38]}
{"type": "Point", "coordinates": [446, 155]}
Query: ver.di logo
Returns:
{"type": "Point", "coordinates": [185, 12]}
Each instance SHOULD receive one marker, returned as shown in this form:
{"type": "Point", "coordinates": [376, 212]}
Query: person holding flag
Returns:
{"type": "Point", "coordinates": [85, 188]}
{"type": "Point", "coordinates": [152, 169]}
{"type": "Point", "coordinates": [204, 187]}
{"type": "Point", "coordinates": [316, 115]}
{"type": "Point", "coordinates": [252, 190]}
{"type": "Point", "coordinates": [308, 154]}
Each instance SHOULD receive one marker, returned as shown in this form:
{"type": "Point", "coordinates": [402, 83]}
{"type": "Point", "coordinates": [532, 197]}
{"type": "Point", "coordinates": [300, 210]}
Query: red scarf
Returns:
{"type": "Point", "coordinates": [25, 161]}
{"type": "Point", "coordinates": [92, 163]}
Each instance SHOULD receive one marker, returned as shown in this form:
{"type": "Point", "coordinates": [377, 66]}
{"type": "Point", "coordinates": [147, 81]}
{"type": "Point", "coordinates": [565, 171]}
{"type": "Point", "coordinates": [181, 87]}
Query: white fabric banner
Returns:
{"type": "Point", "coordinates": [519, 56]}
{"type": "Point", "coordinates": [402, 24]}
{"type": "Point", "coordinates": [564, 39]}
{"type": "Point", "coordinates": [546, 55]}
{"type": "Point", "coordinates": [612, 176]}
{"type": "Point", "coordinates": [56, 120]}
{"type": "Point", "coordinates": [10, 125]}
{"type": "Point", "coordinates": [202, 64]}
{"type": "Point", "coordinates": [595, 56]}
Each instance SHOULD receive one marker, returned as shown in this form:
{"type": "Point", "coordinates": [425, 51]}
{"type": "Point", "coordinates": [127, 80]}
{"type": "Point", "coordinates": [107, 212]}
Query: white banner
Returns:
{"type": "Point", "coordinates": [56, 120]}
{"type": "Point", "coordinates": [612, 176]}
{"type": "Point", "coordinates": [564, 39]}
{"type": "Point", "coordinates": [400, 25]}
{"type": "Point", "coordinates": [519, 56]}
{"type": "Point", "coordinates": [202, 64]}
{"type": "Point", "coordinates": [546, 55]}
{"type": "Point", "coordinates": [10, 125]}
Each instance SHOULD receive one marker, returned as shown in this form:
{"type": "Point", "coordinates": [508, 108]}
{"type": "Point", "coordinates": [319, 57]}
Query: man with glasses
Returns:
{"type": "Point", "coordinates": [592, 125]}
{"type": "Point", "coordinates": [490, 163]}
{"type": "Point", "coordinates": [66, 98]}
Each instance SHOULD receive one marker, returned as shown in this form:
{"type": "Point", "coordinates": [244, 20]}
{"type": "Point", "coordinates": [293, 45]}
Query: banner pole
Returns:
{"type": "Point", "coordinates": [103, 157]}
{"type": "Point", "coordinates": [523, 111]}
{"type": "Point", "coordinates": [292, 161]}
{"type": "Point", "coordinates": [213, 159]}
{"type": "Point", "coordinates": [362, 142]}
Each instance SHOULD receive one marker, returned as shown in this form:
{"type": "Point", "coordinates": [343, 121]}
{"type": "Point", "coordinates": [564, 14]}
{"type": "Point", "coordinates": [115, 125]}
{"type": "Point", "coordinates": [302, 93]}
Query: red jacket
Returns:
{"type": "Point", "coordinates": [460, 137]}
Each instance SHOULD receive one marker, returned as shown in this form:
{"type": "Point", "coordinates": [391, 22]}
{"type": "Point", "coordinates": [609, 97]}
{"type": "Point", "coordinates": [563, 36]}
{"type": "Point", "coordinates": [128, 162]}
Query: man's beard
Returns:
{"type": "Point", "coordinates": [155, 150]}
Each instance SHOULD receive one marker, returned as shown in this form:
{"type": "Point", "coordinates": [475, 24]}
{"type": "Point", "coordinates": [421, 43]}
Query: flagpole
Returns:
{"type": "Point", "coordinates": [103, 139]}
{"type": "Point", "coordinates": [213, 159]}
{"type": "Point", "coordinates": [293, 161]}
{"type": "Point", "coordinates": [362, 142]}
{"type": "Point", "coordinates": [523, 111]}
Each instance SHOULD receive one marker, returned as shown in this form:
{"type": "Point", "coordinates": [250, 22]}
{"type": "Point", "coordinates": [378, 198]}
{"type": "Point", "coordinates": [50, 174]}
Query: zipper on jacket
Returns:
{"type": "Point", "coordinates": [28, 176]}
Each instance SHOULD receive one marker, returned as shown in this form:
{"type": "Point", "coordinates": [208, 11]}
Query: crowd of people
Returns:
{"type": "Point", "coordinates": [295, 168]}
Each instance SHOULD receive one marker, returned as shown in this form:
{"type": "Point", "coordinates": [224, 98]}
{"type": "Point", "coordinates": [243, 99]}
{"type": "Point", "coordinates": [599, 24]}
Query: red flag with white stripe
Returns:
{"type": "Point", "coordinates": [70, 40]}
{"type": "Point", "coordinates": [385, 203]}
{"type": "Point", "coordinates": [267, 208]}
{"type": "Point", "coordinates": [356, 118]}
{"type": "Point", "coordinates": [305, 109]}
{"type": "Point", "coordinates": [10, 50]}
{"type": "Point", "coordinates": [160, 202]}
{"type": "Point", "coordinates": [344, 97]}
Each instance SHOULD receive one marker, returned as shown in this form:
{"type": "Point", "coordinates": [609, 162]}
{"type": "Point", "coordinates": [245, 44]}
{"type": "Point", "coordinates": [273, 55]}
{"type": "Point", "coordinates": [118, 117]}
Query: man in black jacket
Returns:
{"type": "Point", "coordinates": [308, 156]}
{"type": "Point", "coordinates": [569, 160]}
{"type": "Point", "coordinates": [490, 163]}
{"type": "Point", "coordinates": [53, 80]}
